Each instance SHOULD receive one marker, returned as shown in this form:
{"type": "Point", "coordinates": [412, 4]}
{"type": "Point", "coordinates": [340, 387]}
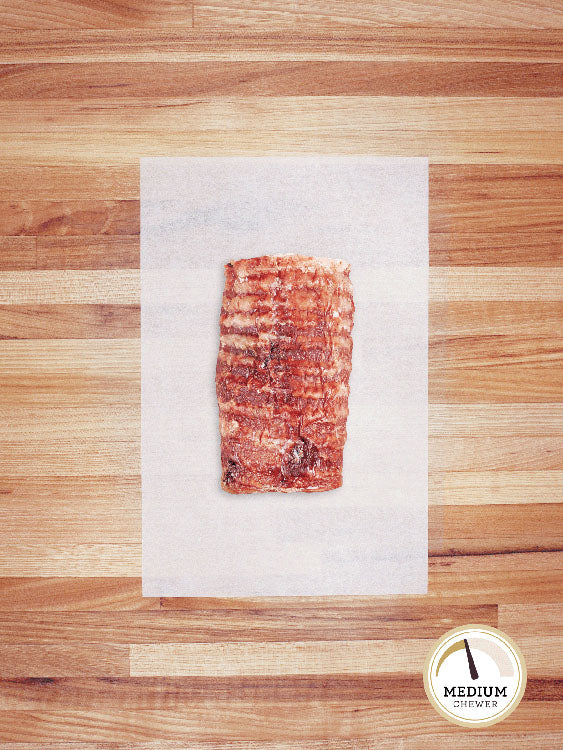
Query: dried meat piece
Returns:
{"type": "Point", "coordinates": [283, 370]}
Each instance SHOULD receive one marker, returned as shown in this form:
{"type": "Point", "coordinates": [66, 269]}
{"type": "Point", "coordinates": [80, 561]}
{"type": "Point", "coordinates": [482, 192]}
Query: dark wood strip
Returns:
{"type": "Point", "coordinates": [502, 248]}
{"type": "Point", "coordinates": [267, 623]}
{"type": "Point", "coordinates": [76, 217]}
{"type": "Point", "coordinates": [64, 660]}
{"type": "Point", "coordinates": [248, 721]}
{"type": "Point", "coordinates": [18, 253]}
{"type": "Point", "coordinates": [69, 321]}
{"type": "Point", "coordinates": [73, 594]}
{"type": "Point", "coordinates": [84, 253]}
{"type": "Point", "coordinates": [173, 692]}
{"type": "Point", "coordinates": [119, 80]}
{"type": "Point", "coordinates": [90, 14]}
{"type": "Point", "coordinates": [174, 44]}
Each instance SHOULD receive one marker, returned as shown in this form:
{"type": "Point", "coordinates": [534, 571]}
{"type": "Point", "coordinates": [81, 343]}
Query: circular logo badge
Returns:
{"type": "Point", "coordinates": [475, 676]}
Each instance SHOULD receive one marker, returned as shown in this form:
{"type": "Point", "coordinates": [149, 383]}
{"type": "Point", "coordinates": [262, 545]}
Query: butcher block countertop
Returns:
{"type": "Point", "coordinates": [86, 89]}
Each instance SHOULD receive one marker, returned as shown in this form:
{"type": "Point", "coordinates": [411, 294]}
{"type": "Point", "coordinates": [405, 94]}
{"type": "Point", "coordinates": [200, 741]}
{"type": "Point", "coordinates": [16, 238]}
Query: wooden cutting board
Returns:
{"type": "Point", "coordinates": [86, 88]}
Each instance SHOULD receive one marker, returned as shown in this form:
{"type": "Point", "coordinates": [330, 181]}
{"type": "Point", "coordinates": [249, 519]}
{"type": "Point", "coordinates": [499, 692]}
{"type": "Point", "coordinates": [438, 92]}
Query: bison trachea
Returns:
{"type": "Point", "coordinates": [283, 370]}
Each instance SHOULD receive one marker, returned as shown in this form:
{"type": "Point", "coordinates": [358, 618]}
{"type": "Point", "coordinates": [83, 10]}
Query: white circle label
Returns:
{"type": "Point", "coordinates": [475, 675]}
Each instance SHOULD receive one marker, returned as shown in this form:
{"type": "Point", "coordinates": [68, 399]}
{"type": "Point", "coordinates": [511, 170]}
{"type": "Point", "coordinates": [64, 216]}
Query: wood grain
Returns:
{"type": "Point", "coordinates": [498, 14]}
{"type": "Point", "coordinates": [87, 88]}
{"type": "Point", "coordinates": [257, 42]}
{"type": "Point", "coordinates": [93, 14]}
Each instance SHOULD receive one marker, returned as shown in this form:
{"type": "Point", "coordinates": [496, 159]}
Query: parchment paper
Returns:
{"type": "Point", "coordinates": [368, 537]}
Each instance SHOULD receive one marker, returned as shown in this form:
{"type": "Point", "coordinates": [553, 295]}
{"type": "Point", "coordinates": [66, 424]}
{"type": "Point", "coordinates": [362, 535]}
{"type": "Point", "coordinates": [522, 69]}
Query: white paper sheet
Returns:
{"type": "Point", "coordinates": [369, 536]}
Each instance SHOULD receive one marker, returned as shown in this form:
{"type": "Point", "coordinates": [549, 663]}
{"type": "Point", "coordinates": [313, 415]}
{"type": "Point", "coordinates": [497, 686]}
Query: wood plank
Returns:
{"type": "Point", "coordinates": [273, 14]}
{"type": "Point", "coordinates": [255, 43]}
{"type": "Point", "coordinates": [542, 657]}
{"type": "Point", "coordinates": [105, 251]}
{"type": "Point", "coordinates": [69, 421]}
{"type": "Point", "coordinates": [495, 453]}
{"type": "Point", "coordinates": [151, 693]}
{"type": "Point", "coordinates": [479, 321]}
{"type": "Point", "coordinates": [17, 253]}
{"type": "Point", "coordinates": [118, 80]}
{"type": "Point", "coordinates": [458, 188]}
{"type": "Point", "coordinates": [527, 620]}
{"type": "Point", "coordinates": [76, 560]}
{"type": "Point", "coordinates": [69, 217]}
{"type": "Point", "coordinates": [530, 587]}
{"type": "Point", "coordinates": [500, 284]}
{"type": "Point", "coordinates": [69, 321]}
{"type": "Point", "coordinates": [519, 248]}
{"type": "Point", "coordinates": [67, 594]}
{"type": "Point", "coordinates": [115, 287]}
{"type": "Point", "coordinates": [521, 147]}
{"type": "Point", "coordinates": [248, 720]}
{"type": "Point", "coordinates": [80, 456]}
{"type": "Point", "coordinates": [57, 660]}
{"type": "Point", "coordinates": [123, 286]}
{"type": "Point", "coordinates": [266, 624]}
{"type": "Point", "coordinates": [467, 420]}
{"type": "Point", "coordinates": [458, 529]}
{"type": "Point", "coordinates": [483, 318]}
{"type": "Point", "coordinates": [71, 510]}
{"type": "Point", "coordinates": [420, 114]}
{"type": "Point", "coordinates": [35, 180]}
{"type": "Point", "coordinates": [497, 248]}
{"type": "Point", "coordinates": [498, 487]}
{"type": "Point", "coordinates": [89, 14]}
{"type": "Point", "coordinates": [509, 562]}
{"type": "Point", "coordinates": [454, 530]}
{"type": "Point", "coordinates": [529, 740]}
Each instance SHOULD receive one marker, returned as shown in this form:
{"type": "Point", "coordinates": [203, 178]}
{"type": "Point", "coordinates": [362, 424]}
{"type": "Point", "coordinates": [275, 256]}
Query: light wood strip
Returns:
{"type": "Point", "coordinates": [21, 559]}
{"type": "Point", "coordinates": [118, 80]}
{"type": "Point", "coordinates": [255, 44]}
{"type": "Point", "coordinates": [525, 620]}
{"type": "Point", "coordinates": [479, 147]}
{"type": "Point", "coordinates": [122, 286]}
{"type": "Point", "coordinates": [271, 14]}
{"type": "Point", "coordinates": [264, 624]}
{"type": "Point", "coordinates": [494, 487]}
{"type": "Point", "coordinates": [71, 510]}
{"type": "Point", "coordinates": [445, 420]}
{"type": "Point", "coordinates": [479, 420]}
{"type": "Point", "coordinates": [57, 660]}
{"type": "Point", "coordinates": [67, 594]}
{"type": "Point", "coordinates": [250, 720]}
{"type": "Point", "coordinates": [320, 657]}
{"type": "Point", "coordinates": [91, 422]}
{"type": "Point", "coordinates": [542, 655]}
{"type": "Point", "coordinates": [492, 318]}
{"type": "Point", "coordinates": [89, 14]}
{"type": "Point", "coordinates": [292, 114]}
{"type": "Point", "coordinates": [116, 287]}
{"type": "Point", "coordinates": [473, 284]}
